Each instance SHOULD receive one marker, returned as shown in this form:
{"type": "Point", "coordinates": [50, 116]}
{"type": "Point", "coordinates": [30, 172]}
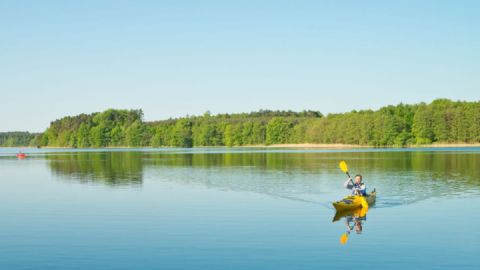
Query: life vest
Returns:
{"type": "Point", "coordinates": [361, 188]}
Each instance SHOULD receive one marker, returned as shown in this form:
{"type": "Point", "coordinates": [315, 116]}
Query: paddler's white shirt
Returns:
{"type": "Point", "coordinates": [354, 187]}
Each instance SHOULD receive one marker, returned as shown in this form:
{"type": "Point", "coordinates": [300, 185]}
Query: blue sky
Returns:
{"type": "Point", "coordinates": [173, 58]}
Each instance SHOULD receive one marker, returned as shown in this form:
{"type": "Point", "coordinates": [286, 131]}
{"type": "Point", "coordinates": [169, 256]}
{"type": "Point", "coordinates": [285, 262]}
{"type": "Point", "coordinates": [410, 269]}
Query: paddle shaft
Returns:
{"type": "Point", "coordinates": [344, 168]}
{"type": "Point", "coordinates": [351, 180]}
{"type": "Point", "coordinates": [349, 177]}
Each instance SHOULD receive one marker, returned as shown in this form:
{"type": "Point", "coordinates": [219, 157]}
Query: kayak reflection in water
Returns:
{"type": "Point", "coordinates": [357, 186]}
{"type": "Point", "coordinates": [353, 220]}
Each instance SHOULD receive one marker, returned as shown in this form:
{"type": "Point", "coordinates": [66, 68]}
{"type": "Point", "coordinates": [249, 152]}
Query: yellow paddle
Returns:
{"type": "Point", "coordinates": [344, 238]}
{"type": "Point", "coordinates": [343, 166]}
{"type": "Point", "coordinates": [364, 202]}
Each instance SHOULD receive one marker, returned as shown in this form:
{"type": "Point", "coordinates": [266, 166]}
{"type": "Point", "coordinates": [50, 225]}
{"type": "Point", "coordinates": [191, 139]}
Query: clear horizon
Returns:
{"type": "Point", "coordinates": [172, 58]}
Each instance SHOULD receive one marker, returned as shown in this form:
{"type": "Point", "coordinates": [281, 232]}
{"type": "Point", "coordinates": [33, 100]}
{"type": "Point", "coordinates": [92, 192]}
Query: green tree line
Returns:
{"type": "Point", "coordinates": [441, 121]}
{"type": "Point", "coordinates": [107, 129]}
{"type": "Point", "coordinates": [17, 138]}
{"type": "Point", "coordinates": [114, 128]}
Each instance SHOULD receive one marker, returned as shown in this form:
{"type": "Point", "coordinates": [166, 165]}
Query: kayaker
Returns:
{"type": "Point", "coordinates": [357, 187]}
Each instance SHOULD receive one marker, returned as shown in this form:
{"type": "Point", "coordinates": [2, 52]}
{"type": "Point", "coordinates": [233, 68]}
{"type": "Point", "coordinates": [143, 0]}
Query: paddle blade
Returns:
{"type": "Point", "coordinates": [362, 212]}
{"type": "Point", "coordinates": [364, 203]}
{"type": "Point", "coordinates": [343, 238]}
{"type": "Point", "coordinates": [343, 166]}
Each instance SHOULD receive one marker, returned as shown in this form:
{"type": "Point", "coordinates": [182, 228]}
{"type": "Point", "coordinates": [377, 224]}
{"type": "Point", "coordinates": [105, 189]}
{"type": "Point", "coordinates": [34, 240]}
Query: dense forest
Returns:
{"type": "Point", "coordinates": [442, 121]}
{"type": "Point", "coordinates": [12, 139]}
{"type": "Point", "coordinates": [113, 128]}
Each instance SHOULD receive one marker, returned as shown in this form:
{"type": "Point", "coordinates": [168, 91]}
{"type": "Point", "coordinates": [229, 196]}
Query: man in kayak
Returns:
{"type": "Point", "coordinates": [357, 187]}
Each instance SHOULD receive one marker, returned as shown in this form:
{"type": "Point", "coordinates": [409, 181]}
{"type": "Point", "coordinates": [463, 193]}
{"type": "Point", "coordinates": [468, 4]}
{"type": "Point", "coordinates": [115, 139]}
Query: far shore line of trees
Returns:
{"type": "Point", "coordinates": [441, 121]}
{"type": "Point", "coordinates": [18, 138]}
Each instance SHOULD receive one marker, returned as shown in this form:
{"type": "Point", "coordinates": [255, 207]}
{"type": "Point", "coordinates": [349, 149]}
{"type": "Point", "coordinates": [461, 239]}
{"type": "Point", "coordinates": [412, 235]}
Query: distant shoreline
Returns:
{"type": "Point", "coordinates": [351, 146]}
{"type": "Point", "coordinates": [288, 145]}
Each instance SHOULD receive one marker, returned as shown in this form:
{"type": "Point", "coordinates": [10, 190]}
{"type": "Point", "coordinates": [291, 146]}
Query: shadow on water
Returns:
{"type": "Point", "coordinates": [400, 177]}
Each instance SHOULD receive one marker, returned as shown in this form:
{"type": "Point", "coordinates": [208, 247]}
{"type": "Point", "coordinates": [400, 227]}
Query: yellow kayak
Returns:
{"type": "Point", "coordinates": [354, 202]}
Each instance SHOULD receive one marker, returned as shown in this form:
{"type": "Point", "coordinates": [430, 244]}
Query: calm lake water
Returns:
{"type": "Point", "coordinates": [219, 208]}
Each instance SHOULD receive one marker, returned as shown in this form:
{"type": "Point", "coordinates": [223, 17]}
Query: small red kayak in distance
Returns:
{"type": "Point", "coordinates": [21, 155]}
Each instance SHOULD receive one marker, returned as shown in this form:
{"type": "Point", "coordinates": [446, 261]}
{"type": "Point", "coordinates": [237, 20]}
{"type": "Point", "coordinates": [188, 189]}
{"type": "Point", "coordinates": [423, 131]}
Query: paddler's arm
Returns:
{"type": "Point", "coordinates": [348, 184]}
